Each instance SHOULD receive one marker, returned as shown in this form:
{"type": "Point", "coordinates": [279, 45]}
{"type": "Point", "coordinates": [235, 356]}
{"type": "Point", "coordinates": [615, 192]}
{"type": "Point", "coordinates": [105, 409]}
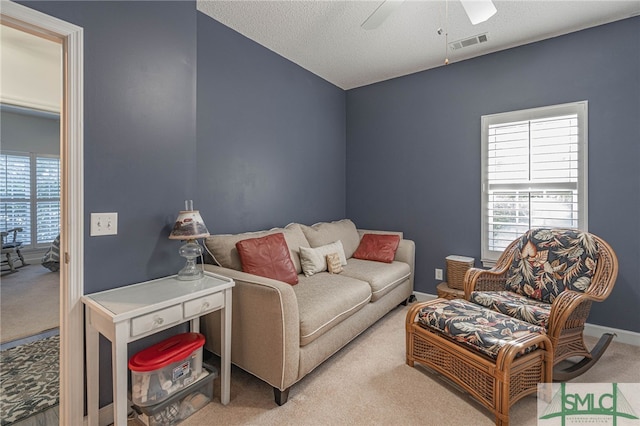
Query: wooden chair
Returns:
{"type": "Point", "coordinates": [11, 248]}
{"type": "Point", "coordinates": [555, 289]}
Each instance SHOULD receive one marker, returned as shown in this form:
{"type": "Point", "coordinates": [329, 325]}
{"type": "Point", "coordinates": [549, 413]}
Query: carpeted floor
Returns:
{"type": "Point", "coordinates": [29, 302]}
{"type": "Point", "coordinates": [368, 382]}
{"type": "Point", "coordinates": [29, 379]}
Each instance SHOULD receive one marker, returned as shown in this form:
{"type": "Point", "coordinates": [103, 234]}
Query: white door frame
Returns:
{"type": "Point", "coordinates": [71, 410]}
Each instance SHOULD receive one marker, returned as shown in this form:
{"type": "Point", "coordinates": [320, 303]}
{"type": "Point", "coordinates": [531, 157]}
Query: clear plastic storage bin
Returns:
{"type": "Point", "coordinates": [181, 404]}
{"type": "Point", "coordinates": [166, 367]}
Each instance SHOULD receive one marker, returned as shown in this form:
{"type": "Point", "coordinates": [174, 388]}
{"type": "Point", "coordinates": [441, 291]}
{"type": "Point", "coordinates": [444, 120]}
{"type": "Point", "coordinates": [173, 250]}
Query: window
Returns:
{"type": "Point", "coordinates": [534, 173]}
{"type": "Point", "coordinates": [30, 197]}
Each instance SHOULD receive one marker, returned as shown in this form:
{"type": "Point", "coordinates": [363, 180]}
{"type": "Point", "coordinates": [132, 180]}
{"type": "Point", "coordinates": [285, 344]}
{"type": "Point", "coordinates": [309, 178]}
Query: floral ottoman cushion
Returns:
{"type": "Point", "coordinates": [479, 328]}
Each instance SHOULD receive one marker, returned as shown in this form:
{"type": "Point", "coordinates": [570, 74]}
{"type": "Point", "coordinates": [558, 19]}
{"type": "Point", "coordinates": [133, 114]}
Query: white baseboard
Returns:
{"type": "Point", "coordinates": [622, 336]}
{"type": "Point", "coordinates": [424, 297]}
{"type": "Point", "coordinates": [105, 416]}
{"type": "Point", "coordinates": [33, 257]}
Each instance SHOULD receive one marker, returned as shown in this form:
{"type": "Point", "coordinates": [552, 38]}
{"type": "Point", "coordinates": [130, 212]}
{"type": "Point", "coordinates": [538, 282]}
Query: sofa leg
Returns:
{"type": "Point", "coordinates": [281, 395]}
{"type": "Point", "coordinates": [408, 300]}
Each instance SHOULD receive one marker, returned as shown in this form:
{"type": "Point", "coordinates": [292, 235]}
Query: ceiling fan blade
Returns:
{"type": "Point", "coordinates": [379, 15]}
{"type": "Point", "coordinates": [478, 10]}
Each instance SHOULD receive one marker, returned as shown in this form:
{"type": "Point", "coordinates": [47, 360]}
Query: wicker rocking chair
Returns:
{"type": "Point", "coordinates": [550, 277]}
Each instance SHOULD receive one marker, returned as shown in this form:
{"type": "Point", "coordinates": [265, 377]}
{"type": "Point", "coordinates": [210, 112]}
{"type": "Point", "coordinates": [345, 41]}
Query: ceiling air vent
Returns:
{"type": "Point", "coordinates": [471, 41]}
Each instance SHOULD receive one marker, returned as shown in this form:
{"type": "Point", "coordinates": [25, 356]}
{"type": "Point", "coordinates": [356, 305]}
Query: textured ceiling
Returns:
{"type": "Point", "coordinates": [325, 37]}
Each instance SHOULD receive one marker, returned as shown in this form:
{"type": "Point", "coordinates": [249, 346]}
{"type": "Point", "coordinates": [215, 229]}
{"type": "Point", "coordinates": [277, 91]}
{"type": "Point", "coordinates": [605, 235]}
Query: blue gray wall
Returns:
{"type": "Point", "coordinates": [271, 137]}
{"type": "Point", "coordinates": [139, 131]}
{"type": "Point", "coordinates": [26, 132]}
{"type": "Point", "coordinates": [139, 137]}
{"type": "Point", "coordinates": [413, 148]}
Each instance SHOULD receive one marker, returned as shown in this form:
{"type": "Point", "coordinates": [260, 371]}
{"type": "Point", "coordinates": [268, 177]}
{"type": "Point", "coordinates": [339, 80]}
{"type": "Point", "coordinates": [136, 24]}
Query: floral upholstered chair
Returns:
{"type": "Point", "coordinates": [550, 277]}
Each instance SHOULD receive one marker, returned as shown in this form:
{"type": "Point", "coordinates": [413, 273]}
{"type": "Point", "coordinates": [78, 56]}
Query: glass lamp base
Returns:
{"type": "Point", "coordinates": [191, 271]}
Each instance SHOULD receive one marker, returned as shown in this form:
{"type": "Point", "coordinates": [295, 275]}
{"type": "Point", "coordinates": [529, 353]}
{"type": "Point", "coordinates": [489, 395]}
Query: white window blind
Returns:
{"type": "Point", "coordinates": [30, 197]}
{"type": "Point", "coordinates": [47, 199]}
{"type": "Point", "coordinates": [534, 173]}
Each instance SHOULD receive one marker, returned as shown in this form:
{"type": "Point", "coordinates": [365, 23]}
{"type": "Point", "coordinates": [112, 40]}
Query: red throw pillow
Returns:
{"type": "Point", "coordinates": [268, 257]}
{"type": "Point", "coordinates": [378, 247]}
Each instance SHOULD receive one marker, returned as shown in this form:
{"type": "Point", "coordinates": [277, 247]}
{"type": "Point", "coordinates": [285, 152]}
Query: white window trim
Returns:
{"type": "Point", "coordinates": [580, 108]}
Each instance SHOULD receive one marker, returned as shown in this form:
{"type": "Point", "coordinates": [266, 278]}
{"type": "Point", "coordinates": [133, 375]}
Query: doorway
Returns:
{"type": "Point", "coordinates": [30, 99]}
{"type": "Point", "coordinates": [70, 36]}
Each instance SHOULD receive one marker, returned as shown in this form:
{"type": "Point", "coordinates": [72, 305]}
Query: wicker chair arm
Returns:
{"type": "Point", "coordinates": [490, 279]}
{"type": "Point", "coordinates": [477, 279]}
{"type": "Point", "coordinates": [569, 310]}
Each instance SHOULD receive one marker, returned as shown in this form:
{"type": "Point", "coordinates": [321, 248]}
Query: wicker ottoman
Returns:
{"type": "Point", "coordinates": [496, 358]}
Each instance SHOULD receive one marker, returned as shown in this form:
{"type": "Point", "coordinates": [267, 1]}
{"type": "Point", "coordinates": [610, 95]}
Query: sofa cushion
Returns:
{"type": "Point", "coordinates": [267, 257]}
{"type": "Point", "coordinates": [548, 261]}
{"type": "Point", "coordinates": [382, 277]}
{"type": "Point", "coordinates": [325, 233]}
{"type": "Point", "coordinates": [324, 300]}
{"type": "Point", "coordinates": [314, 260]}
{"type": "Point", "coordinates": [377, 247]}
{"type": "Point", "coordinates": [512, 304]}
{"type": "Point", "coordinates": [224, 252]}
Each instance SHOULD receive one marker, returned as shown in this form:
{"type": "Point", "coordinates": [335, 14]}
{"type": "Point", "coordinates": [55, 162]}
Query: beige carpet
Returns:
{"type": "Point", "coordinates": [369, 383]}
{"type": "Point", "coordinates": [29, 302]}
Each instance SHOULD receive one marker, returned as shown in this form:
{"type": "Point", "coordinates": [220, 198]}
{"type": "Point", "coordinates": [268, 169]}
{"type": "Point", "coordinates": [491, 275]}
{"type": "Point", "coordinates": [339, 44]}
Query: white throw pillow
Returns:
{"type": "Point", "coordinates": [314, 260]}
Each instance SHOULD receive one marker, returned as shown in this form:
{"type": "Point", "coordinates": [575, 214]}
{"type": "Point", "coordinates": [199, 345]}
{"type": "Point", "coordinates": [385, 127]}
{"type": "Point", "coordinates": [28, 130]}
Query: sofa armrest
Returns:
{"type": "Point", "coordinates": [265, 335]}
{"type": "Point", "coordinates": [407, 253]}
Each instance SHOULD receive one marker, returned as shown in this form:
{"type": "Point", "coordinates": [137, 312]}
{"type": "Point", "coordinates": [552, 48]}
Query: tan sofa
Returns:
{"type": "Point", "coordinates": [281, 332]}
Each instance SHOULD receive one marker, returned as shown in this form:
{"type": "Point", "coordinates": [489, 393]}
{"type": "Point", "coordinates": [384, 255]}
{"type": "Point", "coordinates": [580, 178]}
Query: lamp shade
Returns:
{"type": "Point", "coordinates": [189, 226]}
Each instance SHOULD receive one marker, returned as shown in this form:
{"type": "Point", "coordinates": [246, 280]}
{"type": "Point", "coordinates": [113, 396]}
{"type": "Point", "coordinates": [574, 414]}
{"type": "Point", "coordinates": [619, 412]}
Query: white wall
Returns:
{"type": "Point", "coordinates": [30, 70]}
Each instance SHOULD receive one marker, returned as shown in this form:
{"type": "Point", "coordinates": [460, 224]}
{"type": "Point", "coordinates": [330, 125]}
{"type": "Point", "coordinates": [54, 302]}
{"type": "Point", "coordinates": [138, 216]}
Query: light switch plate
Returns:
{"type": "Point", "coordinates": [104, 224]}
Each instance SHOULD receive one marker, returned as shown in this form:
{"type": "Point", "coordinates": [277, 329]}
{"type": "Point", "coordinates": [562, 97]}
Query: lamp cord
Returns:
{"type": "Point", "coordinates": [210, 254]}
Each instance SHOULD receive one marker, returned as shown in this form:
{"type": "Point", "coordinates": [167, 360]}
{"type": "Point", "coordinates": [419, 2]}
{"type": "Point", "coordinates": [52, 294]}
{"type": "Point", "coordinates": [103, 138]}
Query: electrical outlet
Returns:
{"type": "Point", "coordinates": [438, 274]}
{"type": "Point", "coordinates": [104, 224]}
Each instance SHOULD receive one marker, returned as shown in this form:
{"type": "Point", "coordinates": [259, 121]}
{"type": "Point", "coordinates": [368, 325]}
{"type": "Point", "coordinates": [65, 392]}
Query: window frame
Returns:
{"type": "Point", "coordinates": [580, 108]}
{"type": "Point", "coordinates": [33, 199]}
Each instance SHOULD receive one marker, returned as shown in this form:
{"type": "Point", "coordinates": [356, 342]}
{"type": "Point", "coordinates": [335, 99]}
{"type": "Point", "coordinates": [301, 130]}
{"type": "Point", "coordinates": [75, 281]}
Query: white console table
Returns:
{"type": "Point", "coordinates": [132, 312]}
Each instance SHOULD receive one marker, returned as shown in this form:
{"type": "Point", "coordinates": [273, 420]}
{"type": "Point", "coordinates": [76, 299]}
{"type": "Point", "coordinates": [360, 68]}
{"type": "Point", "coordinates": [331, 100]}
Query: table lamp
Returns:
{"type": "Point", "coordinates": [188, 227]}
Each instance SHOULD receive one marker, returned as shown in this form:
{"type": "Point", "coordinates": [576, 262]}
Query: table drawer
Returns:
{"type": "Point", "coordinates": [203, 304]}
{"type": "Point", "coordinates": [154, 320]}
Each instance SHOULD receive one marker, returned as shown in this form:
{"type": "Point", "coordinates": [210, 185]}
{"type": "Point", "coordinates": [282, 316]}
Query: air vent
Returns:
{"type": "Point", "coordinates": [471, 41]}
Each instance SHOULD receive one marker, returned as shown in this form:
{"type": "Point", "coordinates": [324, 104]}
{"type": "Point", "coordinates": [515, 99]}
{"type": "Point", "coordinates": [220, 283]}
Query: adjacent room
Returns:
{"type": "Point", "coordinates": [447, 194]}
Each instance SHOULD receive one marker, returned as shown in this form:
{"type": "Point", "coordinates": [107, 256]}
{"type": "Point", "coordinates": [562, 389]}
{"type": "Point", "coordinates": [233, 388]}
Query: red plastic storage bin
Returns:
{"type": "Point", "coordinates": [166, 367]}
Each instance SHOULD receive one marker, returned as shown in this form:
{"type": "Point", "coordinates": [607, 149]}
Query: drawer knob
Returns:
{"type": "Point", "coordinates": [158, 321]}
{"type": "Point", "coordinates": [205, 306]}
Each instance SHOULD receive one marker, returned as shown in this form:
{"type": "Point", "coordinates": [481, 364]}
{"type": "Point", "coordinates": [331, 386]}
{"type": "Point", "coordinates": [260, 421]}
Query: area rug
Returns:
{"type": "Point", "coordinates": [29, 379]}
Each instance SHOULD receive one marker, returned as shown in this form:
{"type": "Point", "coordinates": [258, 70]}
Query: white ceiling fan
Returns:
{"type": "Point", "coordinates": [477, 10]}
